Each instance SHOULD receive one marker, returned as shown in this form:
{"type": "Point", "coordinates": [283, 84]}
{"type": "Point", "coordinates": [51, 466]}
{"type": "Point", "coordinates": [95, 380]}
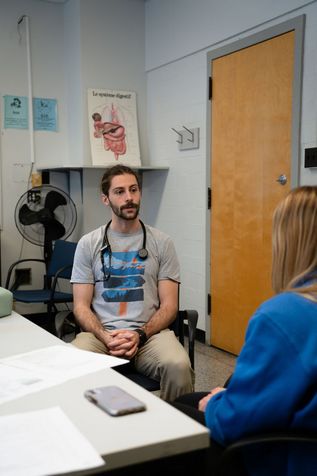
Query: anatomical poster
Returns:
{"type": "Point", "coordinates": [113, 127]}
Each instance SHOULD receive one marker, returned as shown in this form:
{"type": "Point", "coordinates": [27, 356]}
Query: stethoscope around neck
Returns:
{"type": "Point", "coordinates": [142, 253]}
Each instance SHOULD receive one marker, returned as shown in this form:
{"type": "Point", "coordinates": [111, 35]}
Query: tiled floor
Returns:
{"type": "Point", "coordinates": [212, 366]}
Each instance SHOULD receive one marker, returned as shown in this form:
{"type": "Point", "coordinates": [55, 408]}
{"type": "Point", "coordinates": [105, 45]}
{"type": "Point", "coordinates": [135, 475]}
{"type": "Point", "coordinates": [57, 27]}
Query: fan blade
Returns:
{"type": "Point", "coordinates": [53, 200]}
{"type": "Point", "coordinates": [54, 230]}
{"type": "Point", "coordinates": [27, 216]}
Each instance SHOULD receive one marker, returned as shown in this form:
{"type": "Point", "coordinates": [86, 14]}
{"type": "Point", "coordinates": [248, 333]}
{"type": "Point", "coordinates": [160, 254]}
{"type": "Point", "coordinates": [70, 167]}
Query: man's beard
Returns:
{"type": "Point", "coordinates": [121, 212]}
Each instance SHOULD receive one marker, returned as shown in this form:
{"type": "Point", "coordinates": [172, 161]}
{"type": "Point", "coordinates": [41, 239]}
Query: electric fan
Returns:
{"type": "Point", "coordinates": [45, 214]}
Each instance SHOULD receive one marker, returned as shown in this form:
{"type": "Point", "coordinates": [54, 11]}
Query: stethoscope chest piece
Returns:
{"type": "Point", "coordinates": [143, 253]}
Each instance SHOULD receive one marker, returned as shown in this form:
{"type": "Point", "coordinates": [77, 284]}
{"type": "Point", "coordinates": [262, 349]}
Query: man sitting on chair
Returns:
{"type": "Point", "coordinates": [125, 283]}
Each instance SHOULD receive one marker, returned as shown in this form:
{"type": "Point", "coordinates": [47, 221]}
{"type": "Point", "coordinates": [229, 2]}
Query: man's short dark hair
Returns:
{"type": "Point", "coordinates": [113, 172]}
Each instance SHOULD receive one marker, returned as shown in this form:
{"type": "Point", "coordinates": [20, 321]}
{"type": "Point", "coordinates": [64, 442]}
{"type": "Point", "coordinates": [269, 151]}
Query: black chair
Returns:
{"type": "Point", "coordinates": [59, 267]}
{"type": "Point", "coordinates": [189, 317]}
{"type": "Point", "coordinates": [280, 453]}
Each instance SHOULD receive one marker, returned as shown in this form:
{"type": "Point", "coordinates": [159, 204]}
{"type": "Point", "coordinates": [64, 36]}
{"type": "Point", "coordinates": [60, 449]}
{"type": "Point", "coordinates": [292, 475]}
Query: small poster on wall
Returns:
{"type": "Point", "coordinates": [45, 114]}
{"type": "Point", "coordinates": [113, 127]}
{"type": "Point", "coordinates": [16, 112]}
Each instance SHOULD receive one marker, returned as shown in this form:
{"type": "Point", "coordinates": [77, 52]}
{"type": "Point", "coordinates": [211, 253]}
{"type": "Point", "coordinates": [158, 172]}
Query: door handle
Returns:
{"type": "Point", "coordinates": [282, 179]}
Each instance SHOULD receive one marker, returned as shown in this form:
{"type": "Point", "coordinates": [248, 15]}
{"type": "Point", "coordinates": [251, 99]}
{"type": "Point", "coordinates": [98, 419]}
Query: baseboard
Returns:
{"type": "Point", "coordinates": [36, 316]}
{"type": "Point", "coordinates": [39, 318]}
{"type": "Point", "coordinates": [200, 334]}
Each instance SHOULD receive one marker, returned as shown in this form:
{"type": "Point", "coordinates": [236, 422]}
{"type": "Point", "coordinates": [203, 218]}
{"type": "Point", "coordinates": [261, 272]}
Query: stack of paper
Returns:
{"type": "Point", "coordinates": [53, 446]}
{"type": "Point", "coordinates": [33, 371]}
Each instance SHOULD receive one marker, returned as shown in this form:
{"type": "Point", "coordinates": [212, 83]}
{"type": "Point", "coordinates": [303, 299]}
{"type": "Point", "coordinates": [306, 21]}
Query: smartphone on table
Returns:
{"type": "Point", "coordinates": [114, 400]}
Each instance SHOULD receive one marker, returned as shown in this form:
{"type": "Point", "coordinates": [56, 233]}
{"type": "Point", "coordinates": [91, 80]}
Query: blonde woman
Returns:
{"type": "Point", "coordinates": [274, 385]}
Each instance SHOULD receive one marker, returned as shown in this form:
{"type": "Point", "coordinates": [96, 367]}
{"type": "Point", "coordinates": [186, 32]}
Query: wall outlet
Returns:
{"type": "Point", "coordinates": [36, 180]}
{"type": "Point", "coordinates": [311, 157]}
{"type": "Point", "coordinates": [23, 276]}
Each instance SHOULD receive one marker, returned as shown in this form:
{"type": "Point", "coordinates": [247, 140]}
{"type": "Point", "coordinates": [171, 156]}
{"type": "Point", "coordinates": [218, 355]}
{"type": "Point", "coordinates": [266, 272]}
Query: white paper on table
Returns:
{"type": "Point", "coordinates": [30, 372]}
{"type": "Point", "coordinates": [43, 442]}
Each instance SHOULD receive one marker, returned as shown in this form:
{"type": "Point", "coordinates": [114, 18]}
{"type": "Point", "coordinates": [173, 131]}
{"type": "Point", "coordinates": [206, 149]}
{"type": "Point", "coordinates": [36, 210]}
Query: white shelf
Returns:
{"type": "Point", "coordinates": [66, 168]}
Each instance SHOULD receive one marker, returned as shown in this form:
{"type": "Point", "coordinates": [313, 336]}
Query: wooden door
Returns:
{"type": "Point", "coordinates": [251, 124]}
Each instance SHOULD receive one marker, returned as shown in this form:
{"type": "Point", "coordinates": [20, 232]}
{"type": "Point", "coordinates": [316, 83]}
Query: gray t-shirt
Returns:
{"type": "Point", "coordinates": [129, 297]}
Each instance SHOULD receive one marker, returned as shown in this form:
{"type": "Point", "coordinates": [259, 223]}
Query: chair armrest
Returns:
{"type": "Point", "coordinates": [191, 316]}
{"type": "Point", "coordinates": [59, 274]}
{"type": "Point", "coordinates": [230, 458]}
{"type": "Point", "coordinates": [286, 436]}
{"type": "Point", "coordinates": [17, 263]}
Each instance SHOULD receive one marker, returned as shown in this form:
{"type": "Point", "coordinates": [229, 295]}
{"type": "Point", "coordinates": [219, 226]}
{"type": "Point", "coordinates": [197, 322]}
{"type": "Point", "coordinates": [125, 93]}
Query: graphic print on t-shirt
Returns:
{"type": "Point", "coordinates": [125, 283]}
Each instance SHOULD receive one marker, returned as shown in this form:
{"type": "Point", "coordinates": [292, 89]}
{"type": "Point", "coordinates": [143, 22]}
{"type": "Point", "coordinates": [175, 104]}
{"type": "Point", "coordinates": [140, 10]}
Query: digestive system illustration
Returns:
{"type": "Point", "coordinates": [112, 131]}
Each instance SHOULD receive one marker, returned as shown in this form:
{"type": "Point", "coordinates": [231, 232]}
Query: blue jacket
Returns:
{"type": "Point", "coordinates": [274, 385]}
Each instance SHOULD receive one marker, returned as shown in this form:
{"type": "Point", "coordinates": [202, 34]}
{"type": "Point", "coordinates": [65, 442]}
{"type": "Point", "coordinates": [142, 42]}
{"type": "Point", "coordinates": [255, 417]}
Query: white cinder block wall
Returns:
{"type": "Point", "coordinates": [177, 97]}
{"type": "Point", "coordinates": [179, 34]}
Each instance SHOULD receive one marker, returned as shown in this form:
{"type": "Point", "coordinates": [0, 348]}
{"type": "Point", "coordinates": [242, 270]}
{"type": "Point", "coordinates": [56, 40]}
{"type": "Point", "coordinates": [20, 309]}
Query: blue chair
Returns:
{"type": "Point", "coordinates": [59, 267]}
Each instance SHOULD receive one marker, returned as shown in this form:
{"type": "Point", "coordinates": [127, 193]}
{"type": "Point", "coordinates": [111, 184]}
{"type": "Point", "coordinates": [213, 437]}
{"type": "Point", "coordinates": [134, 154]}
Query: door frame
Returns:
{"type": "Point", "coordinates": [297, 25]}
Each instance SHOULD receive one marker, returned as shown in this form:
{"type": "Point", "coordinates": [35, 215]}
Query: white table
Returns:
{"type": "Point", "coordinates": [158, 432]}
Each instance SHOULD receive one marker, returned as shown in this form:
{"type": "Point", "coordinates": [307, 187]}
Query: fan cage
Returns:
{"type": "Point", "coordinates": [34, 198]}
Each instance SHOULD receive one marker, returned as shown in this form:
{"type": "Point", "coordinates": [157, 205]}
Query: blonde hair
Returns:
{"type": "Point", "coordinates": [294, 241]}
